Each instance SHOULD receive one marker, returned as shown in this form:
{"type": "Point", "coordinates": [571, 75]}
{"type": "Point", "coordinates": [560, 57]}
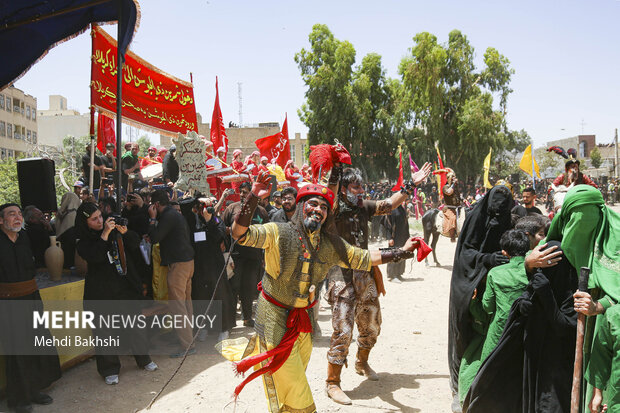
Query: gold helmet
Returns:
{"type": "Point", "coordinates": [506, 184]}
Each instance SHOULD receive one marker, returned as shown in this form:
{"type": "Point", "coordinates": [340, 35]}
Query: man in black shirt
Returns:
{"type": "Point", "coordinates": [529, 201]}
{"type": "Point", "coordinates": [109, 163]}
{"type": "Point", "coordinates": [26, 375]}
{"type": "Point", "coordinates": [39, 231]}
{"type": "Point", "coordinates": [170, 167]}
{"type": "Point", "coordinates": [248, 261]}
{"type": "Point", "coordinates": [168, 227]}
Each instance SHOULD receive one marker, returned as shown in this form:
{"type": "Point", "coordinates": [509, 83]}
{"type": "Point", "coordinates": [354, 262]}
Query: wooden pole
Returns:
{"type": "Point", "coordinates": [581, 323]}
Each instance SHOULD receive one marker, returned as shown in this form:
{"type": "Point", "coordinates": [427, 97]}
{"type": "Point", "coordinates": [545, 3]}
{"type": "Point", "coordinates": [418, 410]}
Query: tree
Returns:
{"type": "Point", "coordinates": [9, 190]}
{"type": "Point", "coordinates": [452, 104]}
{"type": "Point", "coordinates": [327, 70]}
{"type": "Point", "coordinates": [595, 158]}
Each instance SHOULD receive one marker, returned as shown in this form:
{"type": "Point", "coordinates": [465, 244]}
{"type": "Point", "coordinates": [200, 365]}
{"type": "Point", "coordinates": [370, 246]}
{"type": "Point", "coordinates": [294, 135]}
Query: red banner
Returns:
{"type": "Point", "coordinates": [276, 146]}
{"type": "Point", "coordinates": [151, 97]}
{"type": "Point", "coordinates": [105, 133]}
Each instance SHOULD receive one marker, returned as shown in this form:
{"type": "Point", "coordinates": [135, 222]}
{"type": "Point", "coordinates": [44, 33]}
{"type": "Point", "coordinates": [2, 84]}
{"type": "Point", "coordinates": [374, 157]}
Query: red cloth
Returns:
{"type": "Point", "coordinates": [423, 248]}
{"type": "Point", "coordinates": [150, 96]}
{"type": "Point", "coordinates": [297, 322]}
{"type": "Point", "coordinates": [105, 132]}
{"type": "Point", "coordinates": [238, 166]}
{"type": "Point", "coordinates": [218, 132]}
{"type": "Point", "coordinates": [289, 172]}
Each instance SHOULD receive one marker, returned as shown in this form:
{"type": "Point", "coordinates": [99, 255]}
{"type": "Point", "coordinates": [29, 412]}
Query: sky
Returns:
{"type": "Point", "coordinates": [566, 54]}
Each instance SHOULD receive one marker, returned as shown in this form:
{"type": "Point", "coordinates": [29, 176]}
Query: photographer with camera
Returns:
{"type": "Point", "coordinates": [168, 227]}
{"type": "Point", "coordinates": [136, 210]}
{"type": "Point", "coordinates": [112, 275]}
{"type": "Point", "coordinates": [207, 238]}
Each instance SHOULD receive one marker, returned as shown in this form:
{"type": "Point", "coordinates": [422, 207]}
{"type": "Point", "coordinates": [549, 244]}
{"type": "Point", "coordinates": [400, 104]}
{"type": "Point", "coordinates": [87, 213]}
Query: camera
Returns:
{"type": "Point", "coordinates": [107, 181]}
{"type": "Point", "coordinates": [119, 220]}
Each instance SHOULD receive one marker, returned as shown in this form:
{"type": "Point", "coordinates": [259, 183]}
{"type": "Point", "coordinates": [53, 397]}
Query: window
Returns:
{"type": "Point", "coordinates": [8, 104]}
{"type": "Point", "coordinates": [28, 136]}
{"type": "Point", "coordinates": [293, 154]}
{"type": "Point", "coordinates": [10, 153]}
{"type": "Point", "coordinates": [303, 151]}
{"type": "Point", "coordinates": [34, 138]}
{"type": "Point", "coordinates": [28, 112]}
{"type": "Point", "coordinates": [9, 130]}
{"type": "Point", "coordinates": [34, 114]}
{"type": "Point", "coordinates": [16, 106]}
{"type": "Point", "coordinates": [17, 132]}
{"type": "Point", "coordinates": [3, 154]}
{"type": "Point", "coordinates": [1, 101]}
{"type": "Point", "coordinates": [2, 129]}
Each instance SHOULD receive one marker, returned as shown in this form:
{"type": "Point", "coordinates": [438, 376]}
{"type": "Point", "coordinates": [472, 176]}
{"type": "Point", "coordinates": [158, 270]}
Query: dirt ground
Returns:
{"type": "Point", "coordinates": [410, 358]}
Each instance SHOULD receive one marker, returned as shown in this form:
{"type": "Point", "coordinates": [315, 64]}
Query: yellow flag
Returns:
{"type": "Point", "coordinates": [526, 162]}
{"type": "Point", "coordinates": [487, 166]}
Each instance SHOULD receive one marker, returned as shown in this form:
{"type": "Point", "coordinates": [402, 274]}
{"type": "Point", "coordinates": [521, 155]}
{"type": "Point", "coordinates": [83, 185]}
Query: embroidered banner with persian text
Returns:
{"type": "Point", "coordinates": [151, 97]}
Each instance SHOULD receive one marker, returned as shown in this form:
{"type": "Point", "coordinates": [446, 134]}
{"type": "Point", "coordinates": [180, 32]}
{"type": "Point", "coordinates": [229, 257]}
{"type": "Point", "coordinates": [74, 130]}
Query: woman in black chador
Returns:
{"type": "Point", "coordinates": [110, 251]}
{"type": "Point", "coordinates": [476, 253]}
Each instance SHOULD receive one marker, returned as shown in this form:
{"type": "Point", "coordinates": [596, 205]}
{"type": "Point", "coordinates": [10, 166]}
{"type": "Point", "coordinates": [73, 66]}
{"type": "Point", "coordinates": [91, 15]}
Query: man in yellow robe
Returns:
{"type": "Point", "coordinates": [298, 255]}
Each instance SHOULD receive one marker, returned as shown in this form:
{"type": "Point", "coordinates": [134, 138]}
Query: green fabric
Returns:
{"type": "Point", "coordinates": [590, 237]}
{"type": "Point", "coordinates": [505, 284]}
{"type": "Point", "coordinates": [471, 361]}
{"type": "Point", "coordinates": [604, 368]}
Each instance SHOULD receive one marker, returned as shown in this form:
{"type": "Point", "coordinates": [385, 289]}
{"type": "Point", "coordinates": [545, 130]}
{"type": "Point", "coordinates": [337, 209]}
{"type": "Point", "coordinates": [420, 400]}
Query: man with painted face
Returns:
{"type": "Point", "coordinates": [353, 293]}
{"type": "Point", "coordinates": [298, 255]}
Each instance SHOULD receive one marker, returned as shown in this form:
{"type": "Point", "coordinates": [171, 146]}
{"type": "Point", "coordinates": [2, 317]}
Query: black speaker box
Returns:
{"type": "Point", "coordinates": [36, 183]}
{"type": "Point", "coordinates": [604, 180]}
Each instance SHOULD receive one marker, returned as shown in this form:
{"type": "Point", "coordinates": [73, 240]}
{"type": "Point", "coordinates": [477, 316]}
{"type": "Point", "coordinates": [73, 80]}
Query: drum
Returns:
{"type": "Point", "coordinates": [152, 171]}
{"type": "Point", "coordinates": [217, 172]}
{"type": "Point", "coordinates": [235, 178]}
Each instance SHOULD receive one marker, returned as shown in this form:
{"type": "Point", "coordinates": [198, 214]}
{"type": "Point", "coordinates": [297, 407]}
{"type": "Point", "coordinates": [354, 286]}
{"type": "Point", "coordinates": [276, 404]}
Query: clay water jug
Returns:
{"type": "Point", "coordinates": [54, 259]}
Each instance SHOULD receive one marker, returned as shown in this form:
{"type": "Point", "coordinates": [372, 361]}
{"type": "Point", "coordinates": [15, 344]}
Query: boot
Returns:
{"type": "Point", "coordinates": [361, 365]}
{"type": "Point", "coordinates": [332, 388]}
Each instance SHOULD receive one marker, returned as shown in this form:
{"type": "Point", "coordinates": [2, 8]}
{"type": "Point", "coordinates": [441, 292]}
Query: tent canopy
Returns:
{"type": "Point", "coordinates": [29, 28]}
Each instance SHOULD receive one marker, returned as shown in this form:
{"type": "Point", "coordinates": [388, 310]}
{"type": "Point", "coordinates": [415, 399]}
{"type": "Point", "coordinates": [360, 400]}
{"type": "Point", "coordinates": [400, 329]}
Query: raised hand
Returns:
{"type": "Point", "coordinates": [262, 186]}
{"type": "Point", "coordinates": [419, 176]}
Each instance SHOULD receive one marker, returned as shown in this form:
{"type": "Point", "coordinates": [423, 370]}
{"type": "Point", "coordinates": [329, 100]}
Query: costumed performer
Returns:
{"type": "Point", "coordinates": [298, 255]}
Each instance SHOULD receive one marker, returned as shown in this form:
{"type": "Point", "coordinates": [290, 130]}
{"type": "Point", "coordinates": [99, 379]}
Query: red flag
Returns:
{"type": "Point", "coordinates": [285, 154]}
{"type": "Point", "coordinates": [276, 146]}
{"type": "Point", "coordinates": [218, 133]}
{"type": "Point", "coordinates": [399, 184]}
{"type": "Point", "coordinates": [105, 132]}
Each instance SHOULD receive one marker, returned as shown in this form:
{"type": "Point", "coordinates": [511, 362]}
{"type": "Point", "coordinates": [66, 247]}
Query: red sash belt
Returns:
{"type": "Point", "coordinates": [297, 322]}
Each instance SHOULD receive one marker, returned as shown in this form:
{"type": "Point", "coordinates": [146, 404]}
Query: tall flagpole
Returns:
{"type": "Point", "coordinates": [533, 169]}
{"type": "Point", "coordinates": [119, 106]}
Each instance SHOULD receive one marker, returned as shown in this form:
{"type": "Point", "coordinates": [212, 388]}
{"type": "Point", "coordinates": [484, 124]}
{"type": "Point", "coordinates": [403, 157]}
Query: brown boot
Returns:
{"type": "Point", "coordinates": [361, 365]}
{"type": "Point", "coordinates": [332, 388]}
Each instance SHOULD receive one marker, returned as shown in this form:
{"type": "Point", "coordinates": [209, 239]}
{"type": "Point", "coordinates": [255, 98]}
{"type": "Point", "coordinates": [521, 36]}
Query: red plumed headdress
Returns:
{"type": "Point", "coordinates": [323, 156]}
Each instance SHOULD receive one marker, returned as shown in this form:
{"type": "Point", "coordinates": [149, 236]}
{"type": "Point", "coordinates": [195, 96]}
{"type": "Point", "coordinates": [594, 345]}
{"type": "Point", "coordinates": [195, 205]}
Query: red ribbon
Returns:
{"type": "Point", "coordinates": [297, 322]}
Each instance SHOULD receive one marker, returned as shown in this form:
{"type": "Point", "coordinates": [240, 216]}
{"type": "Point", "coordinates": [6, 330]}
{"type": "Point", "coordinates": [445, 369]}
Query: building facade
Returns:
{"type": "Point", "coordinates": [59, 121]}
{"type": "Point", "coordinates": [582, 143]}
{"type": "Point", "coordinates": [18, 123]}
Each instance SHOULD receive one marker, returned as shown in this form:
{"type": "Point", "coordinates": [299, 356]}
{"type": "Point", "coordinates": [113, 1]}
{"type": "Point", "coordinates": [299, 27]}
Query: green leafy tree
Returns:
{"type": "Point", "coordinates": [327, 70]}
{"type": "Point", "coordinates": [595, 158]}
{"type": "Point", "coordinates": [9, 190]}
{"type": "Point", "coordinates": [452, 104]}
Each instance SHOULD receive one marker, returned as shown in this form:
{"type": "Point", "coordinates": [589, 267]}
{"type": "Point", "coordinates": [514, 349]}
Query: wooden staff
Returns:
{"type": "Point", "coordinates": [581, 322]}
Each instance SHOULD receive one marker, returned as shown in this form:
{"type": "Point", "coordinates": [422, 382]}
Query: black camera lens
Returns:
{"type": "Point", "coordinates": [211, 210]}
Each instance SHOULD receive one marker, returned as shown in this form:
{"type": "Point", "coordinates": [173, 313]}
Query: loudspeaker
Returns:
{"type": "Point", "coordinates": [36, 183]}
{"type": "Point", "coordinates": [604, 179]}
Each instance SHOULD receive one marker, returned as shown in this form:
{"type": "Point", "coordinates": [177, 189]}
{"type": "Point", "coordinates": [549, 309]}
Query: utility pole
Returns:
{"type": "Point", "coordinates": [240, 105]}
